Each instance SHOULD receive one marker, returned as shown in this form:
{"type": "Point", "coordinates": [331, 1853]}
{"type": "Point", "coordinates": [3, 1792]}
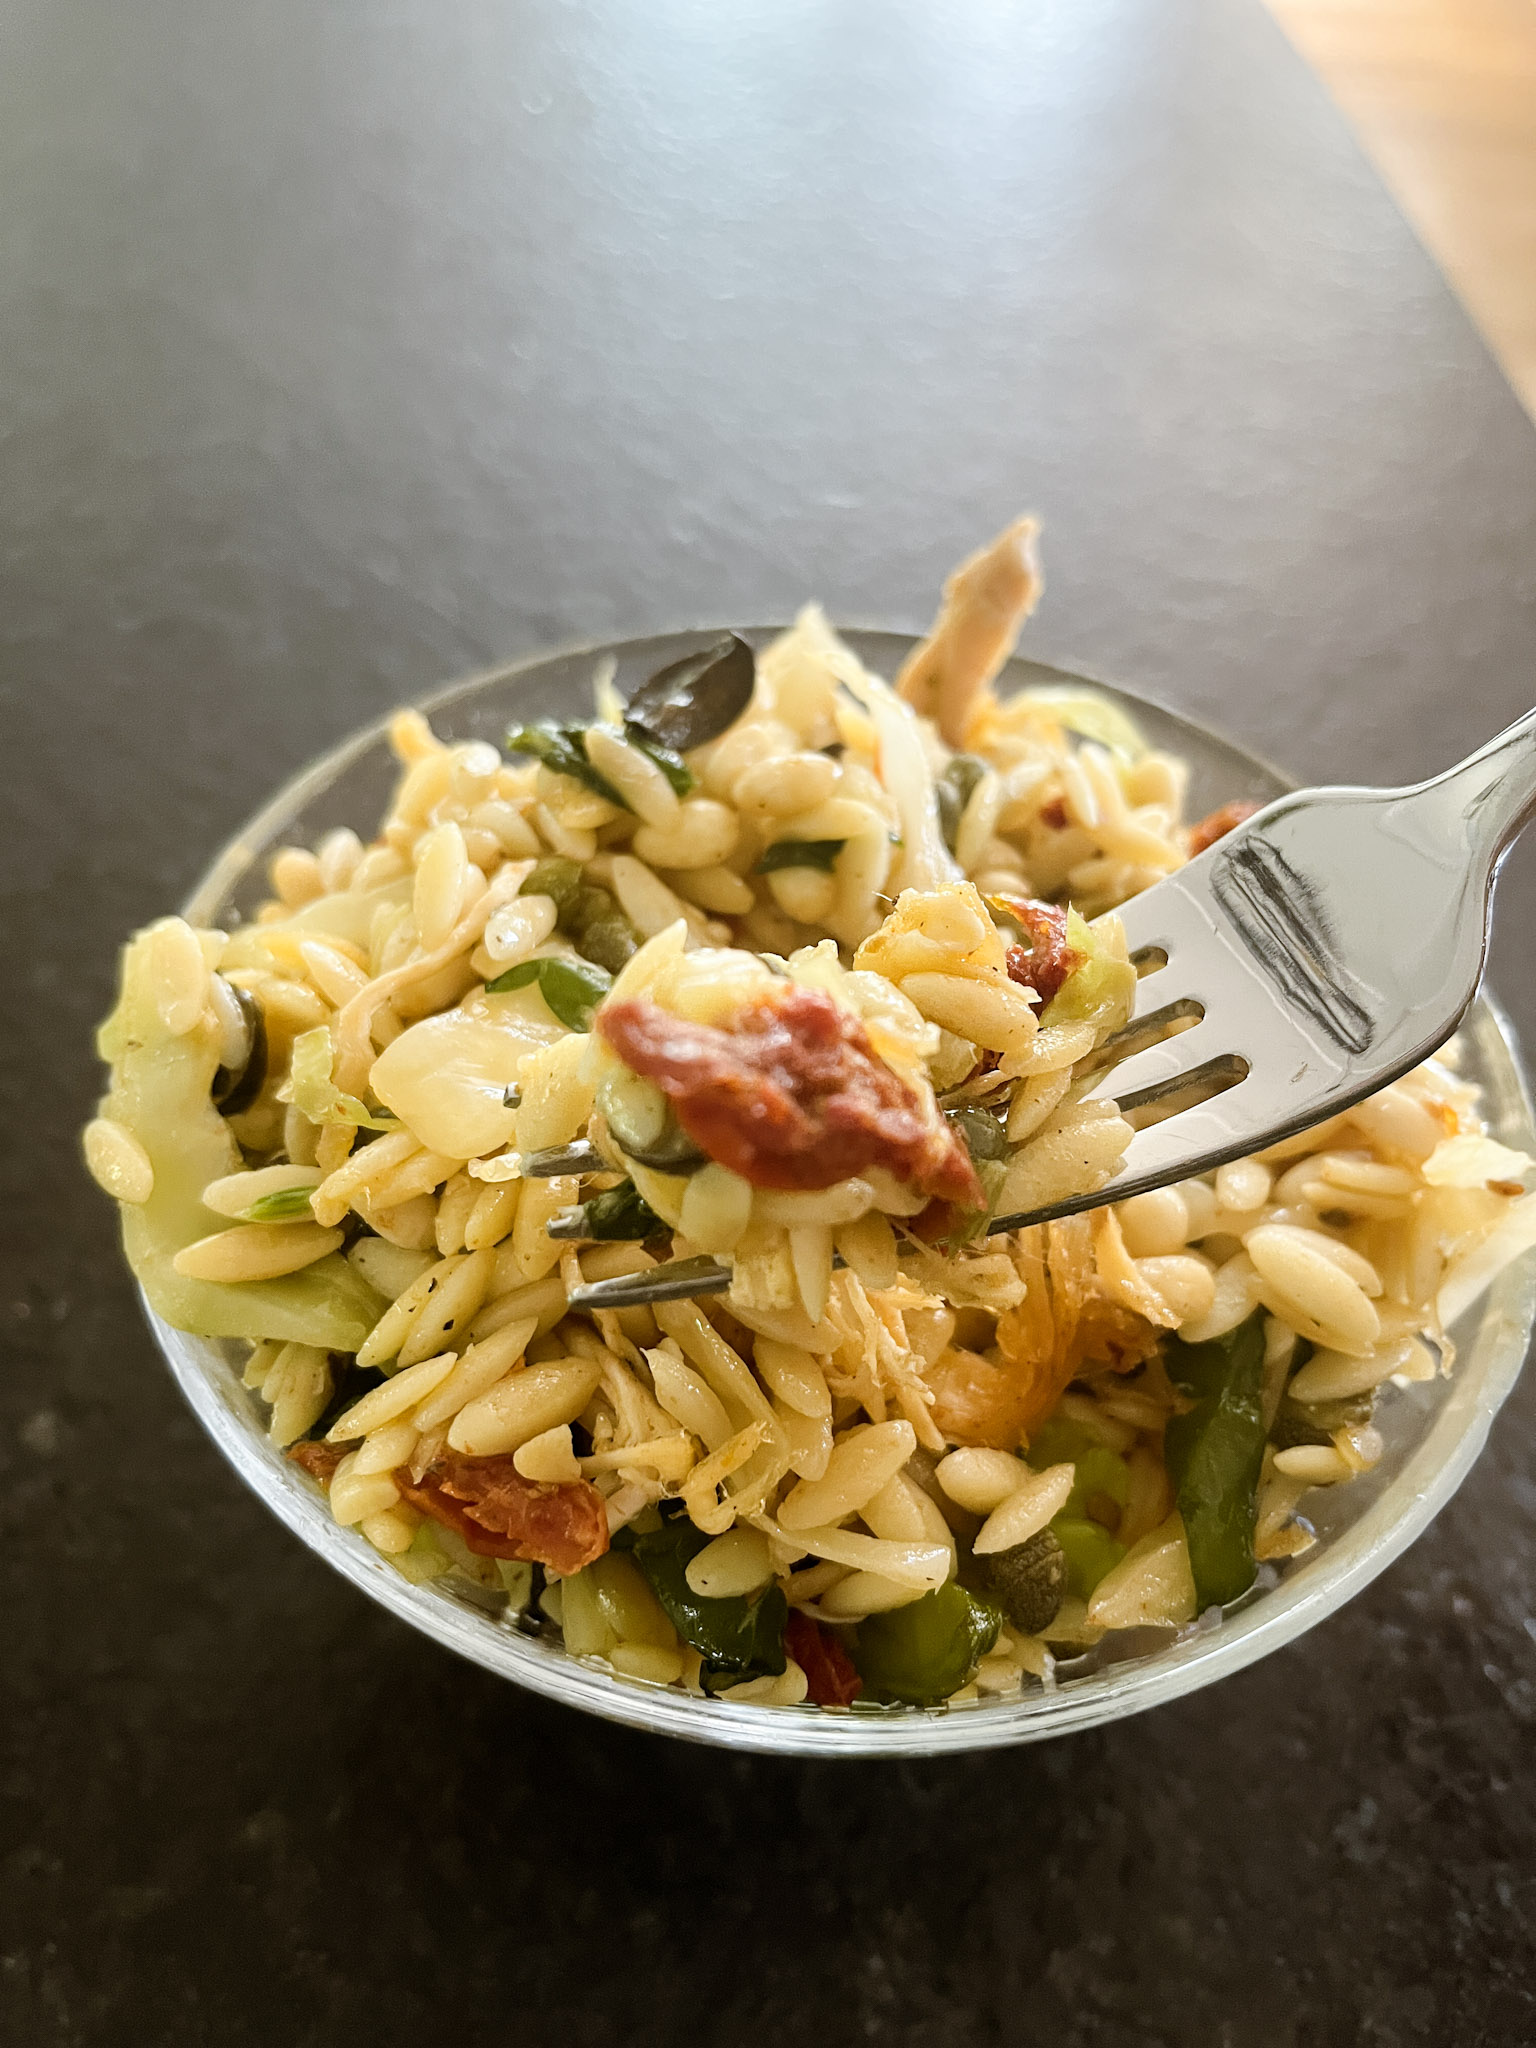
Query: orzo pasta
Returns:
{"type": "Point", "coordinates": [780, 963]}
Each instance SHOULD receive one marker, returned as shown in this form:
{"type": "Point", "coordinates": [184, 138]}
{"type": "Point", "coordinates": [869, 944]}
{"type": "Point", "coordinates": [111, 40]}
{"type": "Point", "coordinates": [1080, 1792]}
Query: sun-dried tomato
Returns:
{"type": "Point", "coordinates": [934, 1222]}
{"type": "Point", "coordinates": [830, 1678]}
{"type": "Point", "coordinates": [792, 1095]}
{"type": "Point", "coordinates": [499, 1513]}
{"type": "Point", "coordinates": [318, 1459]}
{"type": "Point", "coordinates": [1047, 961]}
{"type": "Point", "coordinates": [1218, 823]}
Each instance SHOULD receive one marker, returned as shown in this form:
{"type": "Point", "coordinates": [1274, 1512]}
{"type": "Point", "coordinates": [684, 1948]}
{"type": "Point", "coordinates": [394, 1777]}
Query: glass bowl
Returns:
{"type": "Point", "coordinates": [1432, 1432]}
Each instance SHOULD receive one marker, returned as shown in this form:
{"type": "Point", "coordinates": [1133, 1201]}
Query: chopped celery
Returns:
{"type": "Point", "coordinates": [425, 1560]}
{"type": "Point", "coordinates": [1061, 1441]}
{"type": "Point", "coordinates": [314, 1094]}
{"type": "Point", "coordinates": [160, 1091]}
{"type": "Point", "coordinates": [1093, 718]}
{"type": "Point", "coordinates": [1101, 991]}
{"type": "Point", "coordinates": [1099, 1474]}
{"type": "Point", "coordinates": [1091, 1552]}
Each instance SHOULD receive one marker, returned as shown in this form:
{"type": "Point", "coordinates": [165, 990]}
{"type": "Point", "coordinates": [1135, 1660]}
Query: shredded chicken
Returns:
{"type": "Point", "coordinates": [1067, 1323]}
{"type": "Point", "coordinates": [986, 601]}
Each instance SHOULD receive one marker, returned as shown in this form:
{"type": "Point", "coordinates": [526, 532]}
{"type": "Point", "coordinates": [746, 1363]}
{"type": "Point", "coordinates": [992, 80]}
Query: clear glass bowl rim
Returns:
{"type": "Point", "coordinates": [1487, 1367]}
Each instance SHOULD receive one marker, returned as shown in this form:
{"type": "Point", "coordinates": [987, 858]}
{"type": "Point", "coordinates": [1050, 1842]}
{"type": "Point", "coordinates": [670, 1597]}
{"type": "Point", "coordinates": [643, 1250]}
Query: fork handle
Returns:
{"type": "Point", "coordinates": [1490, 797]}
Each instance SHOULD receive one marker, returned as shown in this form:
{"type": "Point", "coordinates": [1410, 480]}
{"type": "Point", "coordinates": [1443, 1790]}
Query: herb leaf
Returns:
{"type": "Point", "coordinates": [800, 853]}
{"type": "Point", "coordinates": [563, 748]}
{"type": "Point", "coordinates": [738, 1638]}
{"type": "Point", "coordinates": [673, 766]}
{"type": "Point", "coordinates": [572, 989]}
{"type": "Point", "coordinates": [984, 1136]}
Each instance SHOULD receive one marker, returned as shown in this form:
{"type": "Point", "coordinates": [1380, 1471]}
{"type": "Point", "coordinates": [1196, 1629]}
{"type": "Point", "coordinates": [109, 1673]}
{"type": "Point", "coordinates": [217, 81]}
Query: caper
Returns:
{"type": "Point", "coordinates": [697, 698]}
{"type": "Point", "coordinates": [1029, 1582]}
{"type": "Point", "coordinates": [673, 1152]}
{"type": "Point", "coordinates": [953, 787]}
{"type": "Point", "coordinates": [608, 942]}
{"type": "Point", "coordinates": [984, 1136]}
{"type": "Point", "coordinates": [1314, 1422]}
{"type": "Point", "coordinates": [236, 1087]}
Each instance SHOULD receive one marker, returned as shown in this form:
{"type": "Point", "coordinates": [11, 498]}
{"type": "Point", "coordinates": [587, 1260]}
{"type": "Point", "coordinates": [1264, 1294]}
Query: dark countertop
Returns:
{"type": "Point", "coordinates": [345, 349]}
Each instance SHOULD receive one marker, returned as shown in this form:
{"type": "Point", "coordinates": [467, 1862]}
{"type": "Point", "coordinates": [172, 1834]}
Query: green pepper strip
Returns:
{"type": "Point", "coordinates": [1214, 1455]}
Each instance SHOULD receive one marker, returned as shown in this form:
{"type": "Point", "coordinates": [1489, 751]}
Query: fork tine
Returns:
{"type": "Point", "coordinates": [1147, 1066]}
{"type": "Point", "coordinates": [1172, 913]}
{"type": "Point", "coordinates": [678, 1280]}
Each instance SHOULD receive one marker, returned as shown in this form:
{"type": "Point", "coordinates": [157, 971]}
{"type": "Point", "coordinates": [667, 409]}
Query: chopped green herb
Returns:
{"type": "Point", "coordinates": [572, 989]}
{"type": "Point", "coordinates": [925, 1651]}
{"type": "Point", "coordinates": [800, 853]}
{"type": "Point", "coordinates": [563, 748]}
{"type": "Point", "coordinates": [673, 766]}
{"type": "Point", "coordinates": [1214, 1455]}
{"type": "Point", "coordinates": [282, 1207]}
{"type": "Point", "coordinates": [737, 1637]}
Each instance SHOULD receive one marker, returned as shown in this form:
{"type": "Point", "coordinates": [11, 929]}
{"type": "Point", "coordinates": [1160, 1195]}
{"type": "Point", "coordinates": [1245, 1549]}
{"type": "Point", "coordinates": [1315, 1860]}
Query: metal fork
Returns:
{"type": "Point", "coordinates": [1308, 958]}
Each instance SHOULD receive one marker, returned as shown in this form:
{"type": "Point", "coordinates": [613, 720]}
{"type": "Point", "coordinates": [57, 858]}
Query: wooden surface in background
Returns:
{"type": "Point", "coordinates": [1442, 94]}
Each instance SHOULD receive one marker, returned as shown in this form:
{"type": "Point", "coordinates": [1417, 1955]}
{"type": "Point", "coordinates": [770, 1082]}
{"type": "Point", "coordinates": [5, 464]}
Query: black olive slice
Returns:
{"type": "Point", "coordinates": [236, 1088]}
